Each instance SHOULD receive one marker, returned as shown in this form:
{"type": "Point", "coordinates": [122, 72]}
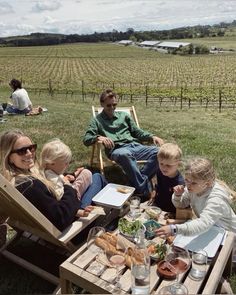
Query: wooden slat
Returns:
{"type": "Point", "coordinates": [219, 266]}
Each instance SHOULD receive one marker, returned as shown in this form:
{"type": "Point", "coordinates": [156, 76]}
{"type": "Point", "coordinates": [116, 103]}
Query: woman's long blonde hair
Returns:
{"type": "Point", "coordinates": [12, 173]}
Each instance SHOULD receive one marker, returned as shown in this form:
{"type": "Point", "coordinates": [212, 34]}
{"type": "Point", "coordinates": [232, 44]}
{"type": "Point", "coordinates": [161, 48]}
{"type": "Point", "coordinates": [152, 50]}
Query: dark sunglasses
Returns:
{"type": "Point", "coordinates": [23, 151]}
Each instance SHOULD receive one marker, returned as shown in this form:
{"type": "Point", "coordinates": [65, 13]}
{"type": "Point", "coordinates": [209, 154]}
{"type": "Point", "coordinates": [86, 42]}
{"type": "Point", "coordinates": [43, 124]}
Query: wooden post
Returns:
{"type": "Point", "coordinates": [181, 98]}
{"type": "Point", "coordinates": [220, 100]}
{"type": "Point", "coordinates": [83, 94]}
{"type": "Point", "coordinates": [146, 94]}
{"type": "Point", "coordinates": [131, 92]}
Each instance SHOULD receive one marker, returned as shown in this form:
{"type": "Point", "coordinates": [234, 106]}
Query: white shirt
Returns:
{"type": "Point", "coordinates": [20, 99]}
{"type": "Point", "coordinates": [57, 180]}
{"type": "Point", "coordinates": [212, 207]}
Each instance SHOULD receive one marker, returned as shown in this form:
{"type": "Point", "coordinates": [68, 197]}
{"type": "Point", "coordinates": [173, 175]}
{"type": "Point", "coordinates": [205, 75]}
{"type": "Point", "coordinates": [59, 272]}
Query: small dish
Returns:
{"type": "Point", "coordinates": [165, 271]}
{"type": "Point", "coordinates": [153, 212]}
{"type": "Point", "coordinates": [151, 225]}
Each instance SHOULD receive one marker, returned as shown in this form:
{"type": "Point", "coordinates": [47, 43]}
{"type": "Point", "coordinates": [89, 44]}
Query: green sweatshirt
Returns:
{"type": "Point", "coordinates": [120, 128]}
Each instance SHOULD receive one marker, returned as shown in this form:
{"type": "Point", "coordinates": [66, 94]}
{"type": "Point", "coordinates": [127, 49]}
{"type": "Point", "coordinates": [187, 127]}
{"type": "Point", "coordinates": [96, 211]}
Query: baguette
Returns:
{"type": "Point", "coordinates": [112, 239]}
{"type": "Point", "coordinates": [129, 256]}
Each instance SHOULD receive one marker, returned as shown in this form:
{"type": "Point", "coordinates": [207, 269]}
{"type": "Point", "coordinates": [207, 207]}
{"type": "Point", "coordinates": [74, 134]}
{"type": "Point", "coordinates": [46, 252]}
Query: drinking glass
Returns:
{"type": "Point", "coordinates": [95, 232]}
{"type": "Point", "coordinates": [179, 262]}
{"type": "Point", "coordinates": [134, 207]}
{"type": "Point", "coordinates": [116, 260]}
{"type": "Point", "coordinates": [199, 264]}
{"type": "Point", "coordinates": [175, 288]}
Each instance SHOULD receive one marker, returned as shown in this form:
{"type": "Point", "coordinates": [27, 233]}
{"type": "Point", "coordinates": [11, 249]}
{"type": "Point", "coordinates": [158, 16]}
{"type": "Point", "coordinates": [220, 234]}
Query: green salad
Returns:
{"type": "Point", "coordinates": [129, 227]}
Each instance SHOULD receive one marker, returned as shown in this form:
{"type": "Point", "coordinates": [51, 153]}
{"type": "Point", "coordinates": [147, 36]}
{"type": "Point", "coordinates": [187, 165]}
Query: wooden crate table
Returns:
{"type": "Point", "coordinates": [76, 270]}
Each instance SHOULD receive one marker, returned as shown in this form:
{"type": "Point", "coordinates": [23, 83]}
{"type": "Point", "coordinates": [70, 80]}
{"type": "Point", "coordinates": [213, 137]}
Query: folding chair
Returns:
{"type": "Point", "coordinates": [24, 217]}
{"type": "Point", "coordinates": [98, 157]}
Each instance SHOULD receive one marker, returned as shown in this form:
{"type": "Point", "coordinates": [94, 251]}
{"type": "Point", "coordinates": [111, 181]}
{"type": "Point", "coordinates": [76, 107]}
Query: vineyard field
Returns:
{"type": "Point", "coordinates": [132, 70]}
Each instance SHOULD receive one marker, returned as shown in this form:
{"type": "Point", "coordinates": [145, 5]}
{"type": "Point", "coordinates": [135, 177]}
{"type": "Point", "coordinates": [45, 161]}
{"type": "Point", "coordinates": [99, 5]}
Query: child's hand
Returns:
{"type": "Point", "coordinates": [89, 208]}
{"type": "Point", "coordinates": [78, 171]}
{"type": "Point", "coordinates": [178, 190]}
{"type": "Point", "coordinates": [69, 178]}
{"type": "Point", "coordinates": [163, 232]}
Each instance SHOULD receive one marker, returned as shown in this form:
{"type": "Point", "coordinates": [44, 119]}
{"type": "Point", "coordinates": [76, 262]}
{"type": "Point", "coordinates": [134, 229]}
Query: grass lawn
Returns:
{"type": "Point", "coordinates": [197, 131]}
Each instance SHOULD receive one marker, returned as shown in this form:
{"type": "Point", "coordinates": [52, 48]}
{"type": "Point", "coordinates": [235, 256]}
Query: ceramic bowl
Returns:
{"type": "Point", "coordinates": [153, 212]}
{"type": "Point", "coordinates": [151, 225]}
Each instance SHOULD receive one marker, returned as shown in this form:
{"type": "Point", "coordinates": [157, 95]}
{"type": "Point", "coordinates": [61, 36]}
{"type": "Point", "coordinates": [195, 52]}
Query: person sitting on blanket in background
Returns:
{"type": "Point", "coordinates": [121, 138]}
{"type": "Point", "coordinates": [19, 166]}
{"type": "Point", "coordinates": [168, 177]}
{"type": "Point", "coordinates": [209, 198]}
{"type": "Point", "coordinates": [55, 158]}
{"type": "Point", "coordinates": [21, 103]}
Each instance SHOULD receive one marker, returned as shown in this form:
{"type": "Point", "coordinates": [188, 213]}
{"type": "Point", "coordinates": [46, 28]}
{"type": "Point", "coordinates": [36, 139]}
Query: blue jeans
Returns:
{"type": "Point", "coordinates": [127, 155]}
{"type": "Point", "coordinates": [98, 183]}
{"type": "Point", "coordinates": [11, 110]}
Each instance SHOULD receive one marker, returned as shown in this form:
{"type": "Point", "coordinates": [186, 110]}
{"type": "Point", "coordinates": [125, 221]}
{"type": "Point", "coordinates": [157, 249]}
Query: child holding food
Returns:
{"type": "Point", "coordinates": [168, 176]}
{"type": "Point", "coordinates": [209, 198]}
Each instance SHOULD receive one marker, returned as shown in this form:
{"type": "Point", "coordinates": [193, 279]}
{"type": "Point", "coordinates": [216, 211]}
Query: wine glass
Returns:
{"type": "Point", "coordinates": [178, 260]}
{"type": "Point", "coordinates": [95, 232]}
{"type": "Point", "coordinates": [116, 260]}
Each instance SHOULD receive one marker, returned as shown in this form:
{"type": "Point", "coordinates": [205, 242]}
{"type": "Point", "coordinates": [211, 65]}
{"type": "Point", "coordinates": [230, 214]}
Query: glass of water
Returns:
{"type": "Point", "coordinates": [199, 264]}
{"type": "Point", "coordinates": [134, 207]}
{"type": "Point", "coordinates": [140, 272]}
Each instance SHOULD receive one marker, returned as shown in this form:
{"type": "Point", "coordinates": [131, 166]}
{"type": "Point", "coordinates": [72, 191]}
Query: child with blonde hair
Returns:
{"type": "Point", "coordinates": [54, 161]}
{"type": "Point", "coordinates": [209, 198]}
{"type": "Point", "coordinates": [168, 176]}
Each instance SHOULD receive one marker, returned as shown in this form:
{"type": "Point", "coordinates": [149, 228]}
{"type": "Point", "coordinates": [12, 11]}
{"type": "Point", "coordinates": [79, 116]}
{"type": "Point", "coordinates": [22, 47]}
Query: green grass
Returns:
{"type": "Point", "coordinates": [197, 131]}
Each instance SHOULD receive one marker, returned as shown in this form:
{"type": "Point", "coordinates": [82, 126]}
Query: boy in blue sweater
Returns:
{"type": "Point", "coordinates": [168, 176]}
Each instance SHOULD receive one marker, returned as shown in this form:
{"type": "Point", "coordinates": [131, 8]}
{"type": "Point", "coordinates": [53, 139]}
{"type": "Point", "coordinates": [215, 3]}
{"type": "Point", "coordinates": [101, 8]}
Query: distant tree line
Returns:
{"type": "Point", "coordinates": [37, 39]}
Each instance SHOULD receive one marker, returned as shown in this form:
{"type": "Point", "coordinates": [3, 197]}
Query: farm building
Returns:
{"type": "Point", "coordinates": [149, 44]}
{"type": "Point", "coordinates": [125, 42]}
{"type": "Point", "coordinates": [172, 45]}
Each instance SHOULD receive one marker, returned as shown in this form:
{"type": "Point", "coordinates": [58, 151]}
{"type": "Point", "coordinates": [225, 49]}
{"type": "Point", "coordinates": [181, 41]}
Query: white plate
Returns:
{"type": "Point", "coordinates": [110, 197]}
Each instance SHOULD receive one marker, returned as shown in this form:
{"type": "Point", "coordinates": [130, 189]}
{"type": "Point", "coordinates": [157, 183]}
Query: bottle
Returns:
{"type": "Point", "coordinates": [140, 269]}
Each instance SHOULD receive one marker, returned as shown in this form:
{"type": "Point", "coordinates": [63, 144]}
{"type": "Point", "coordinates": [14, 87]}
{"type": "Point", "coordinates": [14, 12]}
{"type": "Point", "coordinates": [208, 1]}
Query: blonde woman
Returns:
{"type": "Point", "coordinates": [19, 166]}
{"type": "Point", "coordinates": [209, 198]}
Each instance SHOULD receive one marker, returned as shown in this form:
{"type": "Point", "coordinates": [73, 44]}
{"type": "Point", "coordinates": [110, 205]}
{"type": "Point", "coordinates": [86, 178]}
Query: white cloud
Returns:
{"type": "Point", "coordinates": [5, 8]}
{"type": "Point", "coordinates": [41, 6]}
{"type": "Point", "coordinates": [88, 16]}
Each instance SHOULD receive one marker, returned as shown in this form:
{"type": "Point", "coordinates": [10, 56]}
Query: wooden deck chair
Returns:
{"type": "Point", "coordinates": [23, 216]}
{"type": "Point", "coordinates": [98, 158]}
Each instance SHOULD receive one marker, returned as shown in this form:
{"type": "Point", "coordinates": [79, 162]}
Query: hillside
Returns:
{"type": "Point", "coordinates": [38, 39]}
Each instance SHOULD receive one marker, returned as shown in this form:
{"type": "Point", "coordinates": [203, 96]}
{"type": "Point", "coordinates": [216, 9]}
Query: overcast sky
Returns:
{"type": "Point", "coordinates": [20, 17]}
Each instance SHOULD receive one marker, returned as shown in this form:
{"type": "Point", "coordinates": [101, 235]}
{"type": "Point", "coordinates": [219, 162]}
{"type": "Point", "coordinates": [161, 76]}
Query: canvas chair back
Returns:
{"type": "Point", "coordinates": [23, 215]}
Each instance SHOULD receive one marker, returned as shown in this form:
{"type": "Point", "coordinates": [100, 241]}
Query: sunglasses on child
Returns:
{"type": "Point", "coordinates": [23, 151]}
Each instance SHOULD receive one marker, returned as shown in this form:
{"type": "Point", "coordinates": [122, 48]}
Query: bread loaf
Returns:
{"type": "Point", "coordinates": [106, 242]}
{"type": "Point", "coordinates": [112, 239]}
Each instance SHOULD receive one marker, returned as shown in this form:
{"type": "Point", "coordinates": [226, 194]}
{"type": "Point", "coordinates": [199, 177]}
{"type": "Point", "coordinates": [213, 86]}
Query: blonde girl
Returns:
{"type": "Point", "coordinates": [54, 161]}
{"type": "Point", "coordinates": [209, 198]}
